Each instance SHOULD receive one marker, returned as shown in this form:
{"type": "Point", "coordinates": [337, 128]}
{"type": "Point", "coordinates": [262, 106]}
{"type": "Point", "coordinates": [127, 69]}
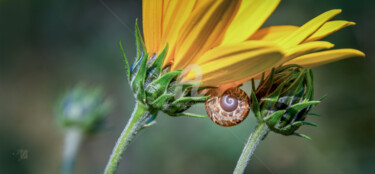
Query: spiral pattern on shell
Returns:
{"type": "Point", "coordinates": [228, 109]}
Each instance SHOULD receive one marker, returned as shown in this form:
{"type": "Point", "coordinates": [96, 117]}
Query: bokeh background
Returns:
{"type": "Point", "coordinates": [46, 47]}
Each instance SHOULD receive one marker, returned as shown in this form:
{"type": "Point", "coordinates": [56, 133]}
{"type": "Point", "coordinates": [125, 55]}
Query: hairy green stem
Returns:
{"type": "Point", "coordinates": [254, 139]}
{"type": "Point", "coordinates": [73, 139]}
{"type": "Point", "coordinates": [138, 119]}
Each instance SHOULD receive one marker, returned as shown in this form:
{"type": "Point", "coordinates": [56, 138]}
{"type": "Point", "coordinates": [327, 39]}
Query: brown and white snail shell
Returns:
{"type": "Point", "coordinates": [228, 109]}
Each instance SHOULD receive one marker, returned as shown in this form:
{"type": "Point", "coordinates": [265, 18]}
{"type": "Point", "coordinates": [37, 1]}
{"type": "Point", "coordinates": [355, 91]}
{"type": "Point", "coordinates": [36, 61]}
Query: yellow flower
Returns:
{"type": "Point", "coordinates": [224, 39]}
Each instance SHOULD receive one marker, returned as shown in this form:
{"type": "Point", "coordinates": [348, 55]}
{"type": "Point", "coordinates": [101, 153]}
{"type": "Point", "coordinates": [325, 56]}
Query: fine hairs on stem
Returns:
{"type": "Point", "coordinates": [138, 119]}
{"type": "Point", "coordinates": [254, 139]}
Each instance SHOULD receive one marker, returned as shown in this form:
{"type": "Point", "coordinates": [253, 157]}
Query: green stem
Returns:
{"type": "Point", "coordinates": [73, 139]}
{"type": "Point", "coordinates": [250, 146]}
{"type": "Point", "coordinates": [138, 119]}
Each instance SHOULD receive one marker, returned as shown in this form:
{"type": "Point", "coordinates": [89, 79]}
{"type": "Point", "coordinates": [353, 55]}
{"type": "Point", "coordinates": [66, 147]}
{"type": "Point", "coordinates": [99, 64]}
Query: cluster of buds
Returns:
{"type": "Point", "coordinates": [284, 99]}
{"type": "Point", "coordinates": [83, 109]}
{"type": "Point", "coordinates": [156, 86]}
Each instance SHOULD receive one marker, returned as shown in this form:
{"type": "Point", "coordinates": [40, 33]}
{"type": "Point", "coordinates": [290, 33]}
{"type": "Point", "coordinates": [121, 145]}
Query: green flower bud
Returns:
{"type": "Point", "coordinates": [284, 99]}
{"type": "Point", "coordinates": [82, 108]}
{"type": "Point", "coordinates": [157, 87]}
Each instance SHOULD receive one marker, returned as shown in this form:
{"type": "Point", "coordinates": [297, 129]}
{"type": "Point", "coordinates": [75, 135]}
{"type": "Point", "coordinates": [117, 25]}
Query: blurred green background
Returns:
{"type": "Point", "coordinates": [46, 47]}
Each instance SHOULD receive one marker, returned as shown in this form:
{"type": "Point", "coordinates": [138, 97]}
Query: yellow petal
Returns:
{"type": "Point", "coordinates": [165, 7]}
{"type": "Point", "coordinates": [228, 50]}
{"type": "Point", "coordinates": [175, 14]}
{"type": "Point", "coordinates": [197, 32]}
{"type": "Point", "coordinates": [324, 57]}
{"type": "Point", "coordinates": [307, 29]}
{"type": "Point", "coordinates": [305, 49]}
{"type": "Point", "coordinates": [239, 82]}
{"type": "Point", "coordinates": [152, 24]}
{"type": "Point", "coordinates": [273, 33]}
{"type": "Point", "coordinates": [329, 28]}
{"type": "Point", "coordinates": [217, 34]}
{"type": "Point", "coordinates": [252, 14]}
{"type": "Point", "coordinates": [236, 62]}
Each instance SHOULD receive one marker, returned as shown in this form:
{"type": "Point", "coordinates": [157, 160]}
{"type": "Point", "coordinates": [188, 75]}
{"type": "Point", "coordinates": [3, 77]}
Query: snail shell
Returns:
{"type": "Point", "coordinates": [228, 109]}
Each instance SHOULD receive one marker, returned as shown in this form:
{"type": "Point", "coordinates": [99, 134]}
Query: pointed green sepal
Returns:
{"type": "Point", "coordinates": [322, 98]}
{"type": "Point", "coordinates": [189, 99]}
{"type": "Point", "coordinates": [184, 89]}
{"type": "Point", "coordinates": [314, 114]}
{"type": "Point", "coordinates": [300, 123]}
{"type": "Point", "coordinates": [296, 88]}
{"type": "Point", "coordinates": [302, 136]}
{"type": "Point", "coordinates": [253, 88]}
{"type": "Point", "coordinates": [256, 107]}
{"type": "Point", "coordinates": [158, 62]}
{"type": "Point", "coordinates": [160, 85]}
{"type": "Point", "coordinates": [205, 87]}
{"type": "Point", "coordinates": [183, 104]}
{"type": "Point", "coordinates": [161, 102]}
{"type": "Point", "coordinates": [294, 109]}
{"type": "Point", "coordinates": [274, 118]}
{"type": "Point", "coordinates": [262, 78]}
{"type": "Point", "coordinates": [138, 79]}
{"type": "Point", "coordinates": [148, 124]}
{"type": "Point", "coordinates": [141, 48]}
{"type": "Point", "coordinates": [273, 98]}
{"type": "Point", "coordinates": [191, 115]}
{"type": "Point", "coordinates": [127, 67]}
{"type": "Point", "coordinates": [265, 135]}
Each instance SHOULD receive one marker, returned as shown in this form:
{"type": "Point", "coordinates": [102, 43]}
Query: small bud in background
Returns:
{"type": "Point", "coordinates": [80, 112]}
{"type": "Point", "coordinates": [284, 99]}
{"type": "Point", "coordinates": [83, 108]}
